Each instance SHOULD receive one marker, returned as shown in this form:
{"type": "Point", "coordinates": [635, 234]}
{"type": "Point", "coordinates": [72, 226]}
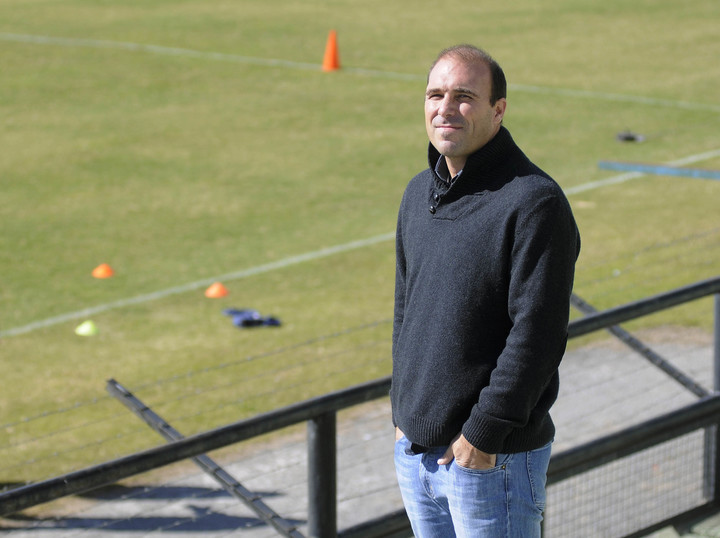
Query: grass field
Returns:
{"type": "Point", "coordinates": [164, 138]}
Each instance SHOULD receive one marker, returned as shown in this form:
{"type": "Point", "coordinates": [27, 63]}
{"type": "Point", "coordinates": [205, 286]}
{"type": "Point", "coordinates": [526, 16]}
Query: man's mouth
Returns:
{"type": "Point", "coordinates": [449, 127]}
{"type": "Point", "coordinates": [447, 131]}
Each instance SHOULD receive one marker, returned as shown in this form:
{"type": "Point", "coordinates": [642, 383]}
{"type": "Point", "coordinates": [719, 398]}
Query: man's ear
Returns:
{"type": "Point", "coordinates": [499, 108]}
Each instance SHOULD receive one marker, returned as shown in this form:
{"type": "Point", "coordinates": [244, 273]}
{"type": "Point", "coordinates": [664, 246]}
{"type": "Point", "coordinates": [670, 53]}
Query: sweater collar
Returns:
{"type": "Point", "coordinates": [484, 159]}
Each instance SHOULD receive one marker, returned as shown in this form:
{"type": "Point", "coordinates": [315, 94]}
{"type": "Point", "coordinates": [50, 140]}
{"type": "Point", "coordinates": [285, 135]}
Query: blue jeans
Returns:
{"type": "Point", "coordinates": [444, 501]}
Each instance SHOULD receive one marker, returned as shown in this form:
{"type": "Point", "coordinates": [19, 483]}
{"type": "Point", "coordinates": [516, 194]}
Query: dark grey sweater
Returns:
{"type": "Point", "coordinates": [484, 275]}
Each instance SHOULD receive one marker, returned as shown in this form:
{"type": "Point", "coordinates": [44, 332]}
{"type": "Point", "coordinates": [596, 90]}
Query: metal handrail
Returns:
{"type": "Point", "coordinates": [582, 458]}
{"type": "Point", "coordinates": [643, 307]}
{"type": "Point", "coordinates": [110, 472]}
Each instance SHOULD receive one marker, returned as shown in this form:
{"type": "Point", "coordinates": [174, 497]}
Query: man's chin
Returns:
{"type": "Point", "coordinates": [446, 147]}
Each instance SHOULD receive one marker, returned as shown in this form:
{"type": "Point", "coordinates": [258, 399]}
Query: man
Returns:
{"type": "Point", "coordinates": [486, 251]}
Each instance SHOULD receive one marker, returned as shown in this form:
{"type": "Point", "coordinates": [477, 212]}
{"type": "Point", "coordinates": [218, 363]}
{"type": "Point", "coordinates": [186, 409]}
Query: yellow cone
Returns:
{"type": "Point", "coordinates": [86, 328]}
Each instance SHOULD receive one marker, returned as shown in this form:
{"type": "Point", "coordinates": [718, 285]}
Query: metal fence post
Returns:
{"type": "Point", "coordinates": [322, 476]}
{"type": "Point", "coordinates": [717, 343]}
{"type": "Point", "coordinates": [711, 459]}
{"type": "Point", "coordinates": [716, 388]}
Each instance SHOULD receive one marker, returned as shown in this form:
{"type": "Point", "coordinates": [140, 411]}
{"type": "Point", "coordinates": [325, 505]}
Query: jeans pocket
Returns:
{"type": "Point", "coordinates": [501, 461]}
{"type": "Point", "coordinates": [537, 465]}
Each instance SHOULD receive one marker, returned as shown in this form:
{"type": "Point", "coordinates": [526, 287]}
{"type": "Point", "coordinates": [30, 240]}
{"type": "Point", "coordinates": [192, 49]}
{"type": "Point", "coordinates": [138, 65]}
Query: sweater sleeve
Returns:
{"type": "Point", "coordinates": [399, 311]}
{"type": "Point", "coordinates": [400, 290]}
{"type": "Point", "coordinates": [545, 246]}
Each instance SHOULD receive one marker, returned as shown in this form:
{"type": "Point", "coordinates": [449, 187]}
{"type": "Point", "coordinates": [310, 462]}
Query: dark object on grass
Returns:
{"type": "Point", "coordinates": [629, 136]}
{"type": "Point", "coordinates": [250, 318]}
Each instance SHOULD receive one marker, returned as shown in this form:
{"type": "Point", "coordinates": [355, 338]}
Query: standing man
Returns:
{"type": "Point", "coordinates": [486, 251]}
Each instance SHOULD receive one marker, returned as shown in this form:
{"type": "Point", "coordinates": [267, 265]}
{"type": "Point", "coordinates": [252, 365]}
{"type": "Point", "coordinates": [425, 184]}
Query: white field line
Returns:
{"type": "Point", "coordinates": [293, 260]}
{"type": "Point", "coordinates": [155, 49]}
{"type": "Point", "coordinates": [272, 266]}
{"type": "Point", "coordinates": [271, 62]}
{"type": "Point", "coordinates": [620, 97]}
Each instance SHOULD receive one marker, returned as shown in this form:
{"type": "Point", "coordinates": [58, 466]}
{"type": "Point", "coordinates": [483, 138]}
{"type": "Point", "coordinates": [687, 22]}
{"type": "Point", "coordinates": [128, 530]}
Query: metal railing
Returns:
{"type": "Point", "coordinates": [320, 414]}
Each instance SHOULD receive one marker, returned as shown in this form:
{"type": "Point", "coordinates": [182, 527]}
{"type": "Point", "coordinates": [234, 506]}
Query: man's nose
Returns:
{"type": "Point", "coordinates": [447, 107]}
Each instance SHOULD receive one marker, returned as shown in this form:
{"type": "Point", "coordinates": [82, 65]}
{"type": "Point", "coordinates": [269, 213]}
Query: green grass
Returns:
{"type": "Point", "coordinates": [175, 168]}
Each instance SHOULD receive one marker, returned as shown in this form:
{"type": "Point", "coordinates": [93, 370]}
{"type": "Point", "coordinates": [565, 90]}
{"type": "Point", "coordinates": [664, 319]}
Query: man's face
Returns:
{"type": "Point", "coordinates": [458, 115]}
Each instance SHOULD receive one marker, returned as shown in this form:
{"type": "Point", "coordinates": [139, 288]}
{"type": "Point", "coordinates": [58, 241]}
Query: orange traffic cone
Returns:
{"type": "Point", "coordinates": [103, 271]}
{"type": "Point", "coordinates": [331, 61]}
{"type": "Point", "coordinates": [216, 291]}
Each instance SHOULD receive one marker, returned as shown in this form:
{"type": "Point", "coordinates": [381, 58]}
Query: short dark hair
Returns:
{"type": "Point", "coordinates": [471, 54]}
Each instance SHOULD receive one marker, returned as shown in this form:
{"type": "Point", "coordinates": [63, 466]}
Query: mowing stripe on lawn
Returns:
{"type": "Point", "coordinates": [293, 260]}
{"type": "Point", "coordinates": [272, 62]}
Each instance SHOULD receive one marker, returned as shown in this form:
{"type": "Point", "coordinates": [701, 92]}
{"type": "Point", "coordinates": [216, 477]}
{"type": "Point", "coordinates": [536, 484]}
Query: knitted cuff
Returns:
{"type": "Point", "coordinates": [486, 433]}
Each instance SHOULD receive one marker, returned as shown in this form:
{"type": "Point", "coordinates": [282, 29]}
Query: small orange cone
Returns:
{"type": "Point", "coordinates": [103, 271]}
{"type": "Point", "coordinates": [331, 61]}
{"type": "Point", "coordinates": [216, 291]}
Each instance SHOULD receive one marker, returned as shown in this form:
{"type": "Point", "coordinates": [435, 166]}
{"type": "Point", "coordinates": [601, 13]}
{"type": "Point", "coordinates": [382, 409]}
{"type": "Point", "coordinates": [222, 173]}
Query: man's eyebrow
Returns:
{"type": "Point", "coordinates": [465, 90]}
{"type": "Point", "coordinates": [432, 91]}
